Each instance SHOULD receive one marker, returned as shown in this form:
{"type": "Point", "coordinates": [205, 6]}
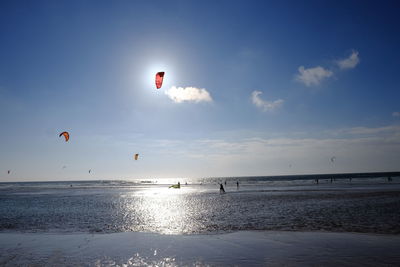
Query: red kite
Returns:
{"type": "Point", "coordinates": [159, 79]}
{"type": "Point", "coordinates": [66, 135]}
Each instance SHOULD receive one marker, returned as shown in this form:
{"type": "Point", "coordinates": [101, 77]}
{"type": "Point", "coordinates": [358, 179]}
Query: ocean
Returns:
{"type": "Point", "coordinates": [367, 204]}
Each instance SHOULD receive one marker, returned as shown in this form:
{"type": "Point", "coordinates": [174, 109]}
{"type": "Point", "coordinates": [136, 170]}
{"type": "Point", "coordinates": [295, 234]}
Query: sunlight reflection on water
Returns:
{"type": "Point", "coordinates": [137, 260]}
{"type": "Point", "coordinates": [164, 210]}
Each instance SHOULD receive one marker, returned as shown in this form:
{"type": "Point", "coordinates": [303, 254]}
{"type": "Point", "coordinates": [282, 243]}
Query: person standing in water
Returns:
{"type": "Point", "coordinates": [237, 185]}
{"type": "Point", "coordinates": [221, 189]}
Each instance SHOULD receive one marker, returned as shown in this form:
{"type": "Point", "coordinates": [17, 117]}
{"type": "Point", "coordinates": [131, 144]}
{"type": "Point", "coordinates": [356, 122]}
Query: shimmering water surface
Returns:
{"type": "Point", "coordinates": [360, 205]}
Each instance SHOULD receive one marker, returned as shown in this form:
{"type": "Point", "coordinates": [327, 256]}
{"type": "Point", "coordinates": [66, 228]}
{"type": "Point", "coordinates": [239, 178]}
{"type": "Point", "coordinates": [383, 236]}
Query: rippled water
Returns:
{"type": "Point", "coordinates": [147, 206]}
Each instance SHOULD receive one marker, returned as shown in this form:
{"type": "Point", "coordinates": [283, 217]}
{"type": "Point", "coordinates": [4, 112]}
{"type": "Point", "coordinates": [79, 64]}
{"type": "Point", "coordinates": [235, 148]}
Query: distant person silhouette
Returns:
{"type": "Point", "coordinates": [237, 185]}
{"type": "Point", "coordinates": [221, 189]}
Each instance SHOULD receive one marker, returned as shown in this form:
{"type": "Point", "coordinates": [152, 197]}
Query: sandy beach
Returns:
{"type": "Point", "coordinates": [244, 248]}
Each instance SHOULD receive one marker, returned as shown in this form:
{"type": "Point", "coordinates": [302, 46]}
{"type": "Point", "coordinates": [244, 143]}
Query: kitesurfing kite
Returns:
{"type": "Point", "coordinates": [66, 135]}
{"type": "Point", "coordinates": [159, 79]}
{"type": "Point", "coordinates": [136, 156]}
{"type": "Point", "coordinates": [333, 159]}
{"type": "Point", "coordinates": [90, 170]}
{"type": "Point", "coordinates": [8, 172]}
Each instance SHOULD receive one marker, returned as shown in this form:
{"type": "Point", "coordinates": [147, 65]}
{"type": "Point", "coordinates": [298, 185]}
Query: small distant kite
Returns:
{"type": "Point", "coordinates": [333, 159]}
{"type": "Point", "coordinates": [159, 79]}
{"type": "Point", "coordinates": [90, 170]}
{"type": "Point", "coordinates": [64, 167]}
{"type": "Point", "coordinates": [8, 172]}
{"type": "Point", "coordinates": [136, 156]}
{"type": "Point", "coordinates": [66, 136]}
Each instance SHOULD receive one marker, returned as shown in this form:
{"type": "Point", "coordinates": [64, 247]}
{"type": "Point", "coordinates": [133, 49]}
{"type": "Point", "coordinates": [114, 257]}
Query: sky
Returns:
{"type": "Point", "coordinates": [250, 88]}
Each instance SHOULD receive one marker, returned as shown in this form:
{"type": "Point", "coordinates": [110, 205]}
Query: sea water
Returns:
{"type": "Point", "coordinates": [369, 205]}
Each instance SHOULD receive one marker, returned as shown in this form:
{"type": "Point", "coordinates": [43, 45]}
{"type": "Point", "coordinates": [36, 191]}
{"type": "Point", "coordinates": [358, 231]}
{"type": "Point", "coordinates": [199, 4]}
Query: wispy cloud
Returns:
{"type": "Point", "coordinates": [313, 76]}
{"type": "Point", "coordinates": [375, 131]}
{"type": "Point", "coordinates": [265, 105]}
{"type": "Point", "coordinates": [396, 114]}
{"type": "Point", "coordinates": [365, 149]}
{"type": "Point", "coordinates": [350, 62]}
{"type": "Point", "coordinates": [188, 94]}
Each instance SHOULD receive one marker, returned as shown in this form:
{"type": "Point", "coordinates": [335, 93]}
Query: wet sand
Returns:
{"type": "Point", "coordinates": [243, 248]}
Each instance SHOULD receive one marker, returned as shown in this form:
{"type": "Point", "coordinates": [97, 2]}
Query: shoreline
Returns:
{"type": "Point", "coordinates": [242, 248]}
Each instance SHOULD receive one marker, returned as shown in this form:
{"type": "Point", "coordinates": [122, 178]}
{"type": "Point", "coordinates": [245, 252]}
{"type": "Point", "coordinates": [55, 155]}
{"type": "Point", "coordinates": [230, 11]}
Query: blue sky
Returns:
{"type": "Point", "coordinates": [251, 88]}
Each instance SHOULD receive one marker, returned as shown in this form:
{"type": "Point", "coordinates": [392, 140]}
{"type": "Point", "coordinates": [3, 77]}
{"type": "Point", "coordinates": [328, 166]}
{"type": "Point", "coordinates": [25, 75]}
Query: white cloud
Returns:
{"type": "Point", "coordinates": [350, 62]}
{"type": "Point", "coordinates": [189, 94]}
{"type": "Point", "coordinates": [313, 76]}
{"type": "Point", "coordinates": [396, 114]}
{"type": "Point", "coordinates": [265, 105]}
